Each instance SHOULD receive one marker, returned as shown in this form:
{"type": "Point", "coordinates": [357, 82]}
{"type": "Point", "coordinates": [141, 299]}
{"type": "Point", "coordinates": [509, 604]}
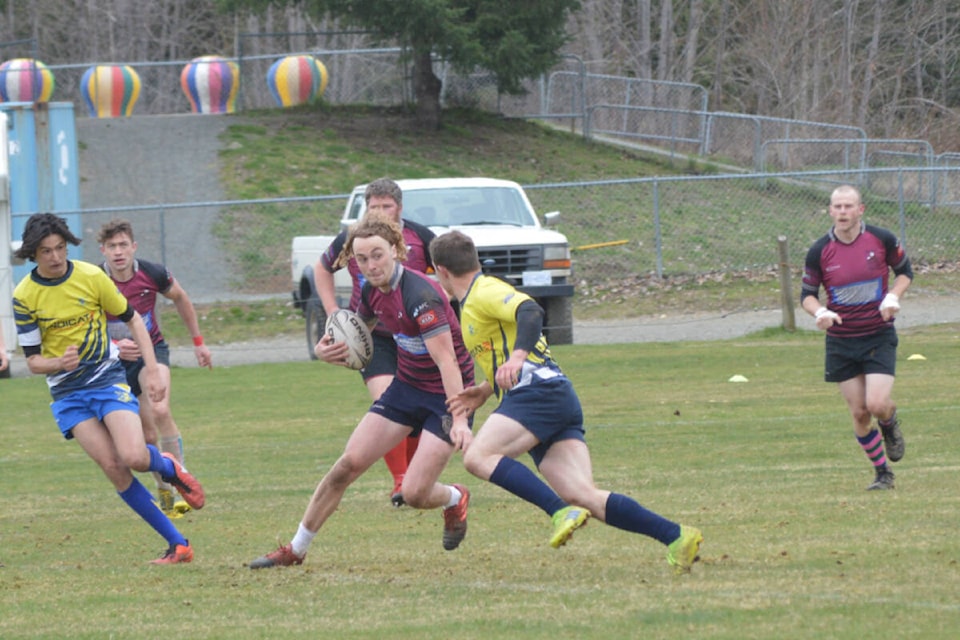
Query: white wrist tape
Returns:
{"type": "Point", "coordinates": [890, 301]}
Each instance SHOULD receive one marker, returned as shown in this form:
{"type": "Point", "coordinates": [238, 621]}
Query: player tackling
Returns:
{"type": "Point", "coordinates": [539, 411]}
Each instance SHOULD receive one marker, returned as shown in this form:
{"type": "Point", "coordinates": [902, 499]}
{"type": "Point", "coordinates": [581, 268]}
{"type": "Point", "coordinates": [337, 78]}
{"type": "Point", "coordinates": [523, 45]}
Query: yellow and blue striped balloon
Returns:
{"type": "Point", "coordinates": [296, 80]}
{"type": "Point", "coordinates": [110, 90]}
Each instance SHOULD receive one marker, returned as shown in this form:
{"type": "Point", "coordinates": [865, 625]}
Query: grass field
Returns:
{"type": "Point", "coordinates": [768, 469]}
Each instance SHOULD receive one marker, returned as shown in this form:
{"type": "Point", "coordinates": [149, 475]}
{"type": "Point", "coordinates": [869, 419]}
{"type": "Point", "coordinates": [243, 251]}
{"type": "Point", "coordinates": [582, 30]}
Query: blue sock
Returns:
{"type": "Point", "coordinates": [519, 480]}
{"type": "Point", "coordinates": [160, 464]}
{"type": "Point", "coordinates": [140, 500]}
{"type": "Point", "coordinates": [626, 513]}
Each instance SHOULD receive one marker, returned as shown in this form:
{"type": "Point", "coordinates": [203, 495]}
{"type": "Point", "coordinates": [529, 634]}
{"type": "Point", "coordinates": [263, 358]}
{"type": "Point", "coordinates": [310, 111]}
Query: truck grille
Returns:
{"type": "Point", "coordinates": [510, 261]}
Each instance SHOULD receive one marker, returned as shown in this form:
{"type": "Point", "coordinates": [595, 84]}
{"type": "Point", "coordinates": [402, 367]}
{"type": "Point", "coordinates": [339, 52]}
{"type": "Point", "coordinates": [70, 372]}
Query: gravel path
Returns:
{"type": "Point", "coordinates": [916, 312]}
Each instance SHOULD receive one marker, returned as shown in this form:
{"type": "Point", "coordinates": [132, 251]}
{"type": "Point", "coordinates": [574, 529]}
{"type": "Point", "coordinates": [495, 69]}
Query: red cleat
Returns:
{"type": "Point", "coordinates": [282, 557]}
{"type": "Point", "coordinates": [176, 554]}
{"type": "Point", "coordinates": [455, 521]}
{"type": "Point", "coordinates": [189, 487]}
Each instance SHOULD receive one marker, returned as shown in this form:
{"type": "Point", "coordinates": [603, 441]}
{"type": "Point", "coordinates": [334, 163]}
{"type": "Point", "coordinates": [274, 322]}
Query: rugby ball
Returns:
{"type": "Point", "coordinates": [346, 326]}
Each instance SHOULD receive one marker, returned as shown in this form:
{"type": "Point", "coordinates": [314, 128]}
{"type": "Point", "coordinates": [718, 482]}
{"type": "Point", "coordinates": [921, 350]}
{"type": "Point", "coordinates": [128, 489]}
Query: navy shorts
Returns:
{"type": "Point", "coordinates": [549, 409]}
{"type": "Point", "coordinates": [848, 358]}
{"type": "Point", "coordinates": [421, 410]}
{"type": "Point", "coordinates": [384, 361]}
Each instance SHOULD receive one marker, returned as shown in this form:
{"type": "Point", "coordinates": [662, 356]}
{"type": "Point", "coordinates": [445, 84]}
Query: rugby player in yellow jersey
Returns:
{"type": "Point", "coordinates": [60, 309]}
{"type": "Point", "coordinates": [539, 412]}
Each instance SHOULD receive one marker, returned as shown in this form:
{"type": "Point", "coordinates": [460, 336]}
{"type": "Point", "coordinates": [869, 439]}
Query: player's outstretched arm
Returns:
{"type": "Point", "coordinates": [188, 314]}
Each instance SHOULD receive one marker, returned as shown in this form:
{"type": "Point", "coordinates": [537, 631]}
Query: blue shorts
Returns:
{"type": "Point", "coordinates": [97, 402]}
{"type": "Point", "coordinates": [420, 410]}
{"type": "Point", "coordinates": [384, 361]}
{"type": "Point", "coordinates": [549, 409]}
{"type": "Point", "coordinates": [134, 367]}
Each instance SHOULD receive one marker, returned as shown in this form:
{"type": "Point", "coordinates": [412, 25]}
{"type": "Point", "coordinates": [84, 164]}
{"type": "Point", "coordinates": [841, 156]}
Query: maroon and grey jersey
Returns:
{"type": "Point", "coordinates": [417, 238]}
{"type": "Point", "coordinates": [416, 308]}
{"type": "Point", "coordinates": [149, 279]}
{"type": "Point", "coordinates": [855, 277]}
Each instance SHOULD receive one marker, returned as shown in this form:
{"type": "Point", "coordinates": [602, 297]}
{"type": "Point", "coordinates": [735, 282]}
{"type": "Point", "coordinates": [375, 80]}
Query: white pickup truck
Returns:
{"type": "Point", "coordinates": [496, 214]}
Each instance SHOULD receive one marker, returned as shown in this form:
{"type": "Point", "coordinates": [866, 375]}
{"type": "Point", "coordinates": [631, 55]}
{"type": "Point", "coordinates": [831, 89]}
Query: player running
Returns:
{"type": "Point", "coordinates": [60, 310]}
{"type": "Point", "coordinates": [432, 367]}
{"type": "Point", "coordinates": [853, 263]}
{"type": "Point", "coordinates": [140, 282]}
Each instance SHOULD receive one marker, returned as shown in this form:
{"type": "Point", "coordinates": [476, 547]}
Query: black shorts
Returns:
{"type": "Point", "coordinates": [384, 361]}
{"type": "Point", "coordinates": [848, 358]}
{"type": "Point", "coordinates": [134, 367]}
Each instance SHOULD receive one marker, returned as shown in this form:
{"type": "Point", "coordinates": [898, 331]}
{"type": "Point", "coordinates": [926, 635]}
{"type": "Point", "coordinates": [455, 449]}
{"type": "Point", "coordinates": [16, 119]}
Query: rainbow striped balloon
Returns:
{"type": "Point", "coordinates": [110, 91]}
{"type": "Point", "coordinates": [211, 84]}
{"type": "Point", "coordinates": [25, 80]}
{"type": "Point", "coordinates": [296, 80]}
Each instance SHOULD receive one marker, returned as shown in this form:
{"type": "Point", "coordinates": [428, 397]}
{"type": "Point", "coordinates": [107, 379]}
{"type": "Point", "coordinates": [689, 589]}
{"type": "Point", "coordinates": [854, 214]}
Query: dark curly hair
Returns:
{"type": "Point", "coordinates": [38, 227]}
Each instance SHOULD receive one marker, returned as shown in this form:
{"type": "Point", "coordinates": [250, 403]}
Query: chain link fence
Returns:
{"type": "Point", "coordinates": [621, 231]}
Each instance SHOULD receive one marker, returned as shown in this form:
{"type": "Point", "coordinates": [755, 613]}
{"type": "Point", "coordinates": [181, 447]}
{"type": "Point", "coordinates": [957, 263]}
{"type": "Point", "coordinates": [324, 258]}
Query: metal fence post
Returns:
{"type": "Point", "coordinates": [658, 239]}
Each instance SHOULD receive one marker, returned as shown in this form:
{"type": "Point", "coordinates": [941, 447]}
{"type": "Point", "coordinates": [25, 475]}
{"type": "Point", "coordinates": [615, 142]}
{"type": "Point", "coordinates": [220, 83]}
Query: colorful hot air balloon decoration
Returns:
{"type": "Point", "coordinates": [296, 80]}
{"type": "Point", "coordinates": [110, 91]}
{"type": "Point", "coordinates": [25, 80]}
{"type": "Point", "coordinates": [210, 84]}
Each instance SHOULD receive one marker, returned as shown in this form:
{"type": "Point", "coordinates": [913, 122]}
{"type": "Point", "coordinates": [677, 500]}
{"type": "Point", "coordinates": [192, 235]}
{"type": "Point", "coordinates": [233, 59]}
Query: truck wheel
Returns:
{"type": "Point", "coordinates": [316, 319]}
{"type": "Point", "coordinates": [558, 323]}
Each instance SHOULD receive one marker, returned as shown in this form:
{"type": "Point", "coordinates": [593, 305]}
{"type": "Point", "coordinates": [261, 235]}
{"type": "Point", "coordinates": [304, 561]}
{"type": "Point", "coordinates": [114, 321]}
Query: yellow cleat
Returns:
{"type": "Point", "coordinates": [565, 522]}
{"type": "Point", "coordinates": [685, 550]}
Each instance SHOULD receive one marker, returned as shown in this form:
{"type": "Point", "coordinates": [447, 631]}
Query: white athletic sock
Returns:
{"type": "Point", "coordinates": [455, 496]}
{"type": "Point", "coordinates": [301, 541]}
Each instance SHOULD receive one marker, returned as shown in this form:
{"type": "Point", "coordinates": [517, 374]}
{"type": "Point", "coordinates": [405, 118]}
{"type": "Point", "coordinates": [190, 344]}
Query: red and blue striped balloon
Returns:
{"type": "Point", "coordinates": [25, 80]}
{"type": "Point", "coordinates": [110, 91]}
{"type": "Point", "coordinates": [296, 80]}
{"type": "Point", "coordinates": [211, 84]}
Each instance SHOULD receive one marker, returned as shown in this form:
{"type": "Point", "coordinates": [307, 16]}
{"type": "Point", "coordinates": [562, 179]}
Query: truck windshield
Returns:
{"type": "Point", "coordinates": [467, 206]}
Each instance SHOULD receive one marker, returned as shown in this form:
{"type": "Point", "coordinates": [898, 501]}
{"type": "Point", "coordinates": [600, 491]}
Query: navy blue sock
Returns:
{"type": "Point", "coordinates": [626, 513]}
{"type": "Point", "coordinates": [140, 500]}
{"type": "Point", "coordinates": [159, 464]}
{"type": "Point", "coordinates": [519, 480]}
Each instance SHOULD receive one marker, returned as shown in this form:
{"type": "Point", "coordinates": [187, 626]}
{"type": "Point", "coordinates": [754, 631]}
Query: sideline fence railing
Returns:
{"type": "Point", "coordinates": [642, 228]}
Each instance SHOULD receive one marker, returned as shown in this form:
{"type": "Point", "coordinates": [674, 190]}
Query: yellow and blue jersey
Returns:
{"type": "Point", "coordinates": [53, 314]}
{"type": "Point", "coordinates": [488, 319]}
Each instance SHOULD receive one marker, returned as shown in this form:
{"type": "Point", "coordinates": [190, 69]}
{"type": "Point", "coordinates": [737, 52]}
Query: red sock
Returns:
{"type": "Point", "coordinates": [412, 444]}
{"type": "Point", "coordinates": [396, 460]}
